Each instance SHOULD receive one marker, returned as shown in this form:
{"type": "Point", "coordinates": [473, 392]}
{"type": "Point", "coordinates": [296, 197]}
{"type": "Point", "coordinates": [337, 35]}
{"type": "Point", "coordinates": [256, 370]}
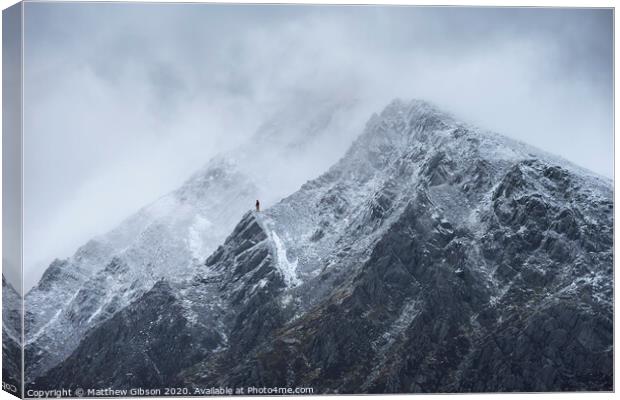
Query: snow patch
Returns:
{"type": "Point", "coordinates": [92, 317]}
{"type": "Point", "coordinates": [195, 240]}
{"type": "Point", "coordinates": [286, 268]}
{"type": "Point", "coordinates": [286, 299]}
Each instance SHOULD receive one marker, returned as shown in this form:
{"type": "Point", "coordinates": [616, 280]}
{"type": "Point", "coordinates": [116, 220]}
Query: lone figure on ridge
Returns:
{"type": "Point", "coordinates": [257, 206]}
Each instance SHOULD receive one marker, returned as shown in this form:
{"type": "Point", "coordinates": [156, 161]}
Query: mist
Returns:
{"type": "Point", "coordinates": [123, 102]}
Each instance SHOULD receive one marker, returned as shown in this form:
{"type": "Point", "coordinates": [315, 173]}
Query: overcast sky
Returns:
{"type": "Point", "coordinates": [124, 101]}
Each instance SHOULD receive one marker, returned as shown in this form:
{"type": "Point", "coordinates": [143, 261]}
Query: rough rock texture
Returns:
{"type": "Point", "coordinates": [433, 257]}
{"type": "Point", "coordinates": [138, 342]}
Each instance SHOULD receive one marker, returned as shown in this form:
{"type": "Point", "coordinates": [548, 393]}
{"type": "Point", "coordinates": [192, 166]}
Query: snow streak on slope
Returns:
{"type": "Point", "coordinates": [287, 269]}
{"type": "Point", "coordinates": [196, 242]}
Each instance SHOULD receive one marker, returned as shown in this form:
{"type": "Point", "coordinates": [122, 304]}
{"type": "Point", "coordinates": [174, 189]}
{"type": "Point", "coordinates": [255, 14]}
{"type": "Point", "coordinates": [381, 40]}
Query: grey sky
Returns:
{"type": "Point", "coordinates": [124, 101]}
{"type": "Point", "coordinates": [11, 144]}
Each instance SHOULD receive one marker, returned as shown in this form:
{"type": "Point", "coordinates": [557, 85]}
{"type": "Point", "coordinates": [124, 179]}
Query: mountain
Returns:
{"type": "Point", "coordinates": [171, 237]}
{"type": "Point", "coordinates": [432, 257]}
{"type": "Point", "coordinates": [165, 239]}
{"type": "Point", "coordinates": [11, 338]}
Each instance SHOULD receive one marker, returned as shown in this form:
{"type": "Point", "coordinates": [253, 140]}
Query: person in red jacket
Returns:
{"type": "Point", "coordinates": [257, 206]}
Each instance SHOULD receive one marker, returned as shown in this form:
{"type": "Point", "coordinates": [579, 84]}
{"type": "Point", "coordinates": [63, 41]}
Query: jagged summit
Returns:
{"type": "Point", "coordinates": [414, 108]}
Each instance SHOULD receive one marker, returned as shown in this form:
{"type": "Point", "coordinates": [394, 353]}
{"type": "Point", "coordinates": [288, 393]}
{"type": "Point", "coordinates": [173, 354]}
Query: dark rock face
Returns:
{"type": "Point", "coordinates": [420, 315]}
{"type": "Point", "coordinates": [431, 258]}
{"type": "Point", "coordinates": [139, 342]}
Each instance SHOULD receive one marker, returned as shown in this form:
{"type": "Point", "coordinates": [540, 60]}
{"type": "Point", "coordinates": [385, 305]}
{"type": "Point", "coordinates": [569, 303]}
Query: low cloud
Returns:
{"type": "Point", "coordinates": [124, 101]}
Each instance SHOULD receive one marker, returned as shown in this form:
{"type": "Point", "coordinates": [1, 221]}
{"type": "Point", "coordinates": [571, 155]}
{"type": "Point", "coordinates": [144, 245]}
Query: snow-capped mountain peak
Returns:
{"type": "Point", "coordinates": [432, 253]}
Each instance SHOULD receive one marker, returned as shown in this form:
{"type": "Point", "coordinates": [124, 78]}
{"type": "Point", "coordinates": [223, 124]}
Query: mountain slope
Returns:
{"type": "Point", "coordinates": [433, 257]}
{"type": "Point", "coordinates": [100, 279]}
{"type": "Point", "coordinates": [171, 237]}
{"type": "Point", "coordinates": [11, 338]}
{"type": "Point", "coordinates": [191, 319]}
